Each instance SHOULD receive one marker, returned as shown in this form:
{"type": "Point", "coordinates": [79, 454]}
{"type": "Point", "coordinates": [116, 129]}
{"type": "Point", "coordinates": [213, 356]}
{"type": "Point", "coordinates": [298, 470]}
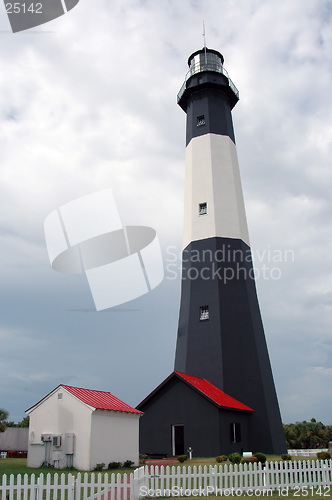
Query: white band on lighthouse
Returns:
{"type": "Point", "coordinates": [213, 178]}
{"type": "Point", "coordinates": [121, 262]}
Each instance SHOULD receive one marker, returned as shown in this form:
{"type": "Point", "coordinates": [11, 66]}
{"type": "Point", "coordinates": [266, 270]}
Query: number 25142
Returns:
{"type": "Point", "coordinates": [17, 8]}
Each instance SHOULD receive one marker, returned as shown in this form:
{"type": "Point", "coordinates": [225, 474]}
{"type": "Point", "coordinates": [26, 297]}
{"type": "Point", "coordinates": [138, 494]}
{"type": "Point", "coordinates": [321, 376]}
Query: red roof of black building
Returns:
{"type": "Point", "coordinates": [208, 390]}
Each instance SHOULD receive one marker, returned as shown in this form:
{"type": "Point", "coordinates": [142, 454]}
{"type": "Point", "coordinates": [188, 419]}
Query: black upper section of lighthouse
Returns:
{"type": "Point", "coordinates": [208, 95]}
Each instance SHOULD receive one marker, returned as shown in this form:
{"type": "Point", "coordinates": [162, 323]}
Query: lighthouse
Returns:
{"type": "Point", "coordinates": [221, 352]}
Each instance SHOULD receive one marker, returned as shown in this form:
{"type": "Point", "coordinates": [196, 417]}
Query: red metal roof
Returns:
{"type": "Point", "coordinates": [212, 392]}
{"type": "Point", "coordinates": [100, 400]}
{"type": "Point", "coordinates": [97, 399]}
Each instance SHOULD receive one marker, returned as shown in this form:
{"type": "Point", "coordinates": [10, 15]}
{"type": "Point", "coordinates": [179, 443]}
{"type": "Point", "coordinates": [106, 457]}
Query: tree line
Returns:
{"type": "Point", "coordinates": [308, 435]}
{"type": "Point", "coordinates": [4, 423]}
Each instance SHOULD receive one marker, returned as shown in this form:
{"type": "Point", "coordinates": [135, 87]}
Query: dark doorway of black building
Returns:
{"type": "Point", "coordinates": [177, 439]}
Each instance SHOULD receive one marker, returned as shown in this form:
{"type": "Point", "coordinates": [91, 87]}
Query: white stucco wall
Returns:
{"type": "Point", "coordinates": [114, 437]}
{"type": "Point", "coordinates": [60, 416]}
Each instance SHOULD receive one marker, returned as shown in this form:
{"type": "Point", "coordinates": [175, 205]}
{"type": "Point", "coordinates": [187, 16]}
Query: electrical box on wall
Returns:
{"type": "Point", "coordinates": [46, 438]}
{"type": "Point", "coordinates": [69, 443]}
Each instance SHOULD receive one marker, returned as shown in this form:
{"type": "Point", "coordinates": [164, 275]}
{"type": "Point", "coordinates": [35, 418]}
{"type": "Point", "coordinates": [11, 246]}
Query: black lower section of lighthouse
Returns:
{"type": "Point", "coordinates": [221, 396]}
{"type": "Point", "coordinates": [221, 337]}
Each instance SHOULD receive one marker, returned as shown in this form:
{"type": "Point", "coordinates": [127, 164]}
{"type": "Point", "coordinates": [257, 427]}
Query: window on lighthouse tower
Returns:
{"type": "Point", "coordinates": [204, 313]}
{"type": "Point", "coordinates": [200, 121]}
{"type": "Point", "coordinates": [202, 209]}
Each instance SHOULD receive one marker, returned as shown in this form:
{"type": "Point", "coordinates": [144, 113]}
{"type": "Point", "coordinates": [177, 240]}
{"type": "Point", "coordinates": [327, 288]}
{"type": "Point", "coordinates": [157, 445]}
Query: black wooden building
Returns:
{"type": "Point", "coordinates": [186, 411]}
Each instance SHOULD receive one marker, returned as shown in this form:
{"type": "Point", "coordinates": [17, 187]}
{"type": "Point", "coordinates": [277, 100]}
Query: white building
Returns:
{"type": "Point", "coordinates": [81, 428]}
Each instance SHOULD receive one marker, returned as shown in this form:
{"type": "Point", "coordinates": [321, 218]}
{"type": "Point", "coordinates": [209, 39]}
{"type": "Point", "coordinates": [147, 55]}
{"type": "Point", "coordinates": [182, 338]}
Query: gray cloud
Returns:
{"type": "Point", "coordinates": [92, 104]}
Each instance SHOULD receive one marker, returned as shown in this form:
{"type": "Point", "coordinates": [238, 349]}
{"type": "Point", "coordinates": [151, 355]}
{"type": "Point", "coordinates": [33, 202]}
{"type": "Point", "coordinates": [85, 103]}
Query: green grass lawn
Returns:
{"type": "Point", "coordinates": [13, 466]}
{"type": "Point", "coordinates": [19, 466]}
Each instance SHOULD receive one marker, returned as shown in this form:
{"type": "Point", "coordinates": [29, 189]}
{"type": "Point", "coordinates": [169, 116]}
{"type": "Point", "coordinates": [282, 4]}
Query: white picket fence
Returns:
{"type": "Point", "coordinates": [305, 452]}
{"type": "Point", "coordinates": [167, 481]}
{"type": "Point", "coordinates": [68, 487]}
{"type": "Point", "coordinates": [225, 479]}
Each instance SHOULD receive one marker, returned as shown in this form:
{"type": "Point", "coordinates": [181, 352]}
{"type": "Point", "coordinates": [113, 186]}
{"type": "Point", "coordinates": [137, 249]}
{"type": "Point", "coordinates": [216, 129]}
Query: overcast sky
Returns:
{"type": "Point", "coordinates": [87, 102]}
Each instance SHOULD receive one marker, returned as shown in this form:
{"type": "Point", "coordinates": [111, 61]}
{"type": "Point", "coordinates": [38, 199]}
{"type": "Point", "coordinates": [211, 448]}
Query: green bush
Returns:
{"type": "Point", "coordinates": [245, 461]}
{"type": "Point", "coordinates": [260, 457]}
{"type": "Point", "coordinates": [127, 464]}
{"type": "Point", "coordinates": [99, 466]}
{"type": "Point", "coordinates": [323, 455]}
{"type": "Point", "coordinates": [182, 458]}
{"type": "Point", "coordinates": [142, 459]}
{"type": "Point", "coordinates": [114, 465]}
{"type": "Point", "coordinates": [285, 456]}
{"type": "Point", "coordinates": [234, 458]}
{"type": "Point", "coordinates": [221, 458]}
{"type": "Point", "coordinates": [44, 465]}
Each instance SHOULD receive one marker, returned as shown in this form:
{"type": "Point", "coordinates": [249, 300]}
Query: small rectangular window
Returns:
{"type": "Point", "coordinates": [59, 395]}
{"type": "Point", "coordinates": [200, 121]}
{"type": "Point", "coordinates": [202, 210]}
{"type": "Point", "coordinates": [235, 432]}
{"type": "Point", "coordinates": [204, 313]}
